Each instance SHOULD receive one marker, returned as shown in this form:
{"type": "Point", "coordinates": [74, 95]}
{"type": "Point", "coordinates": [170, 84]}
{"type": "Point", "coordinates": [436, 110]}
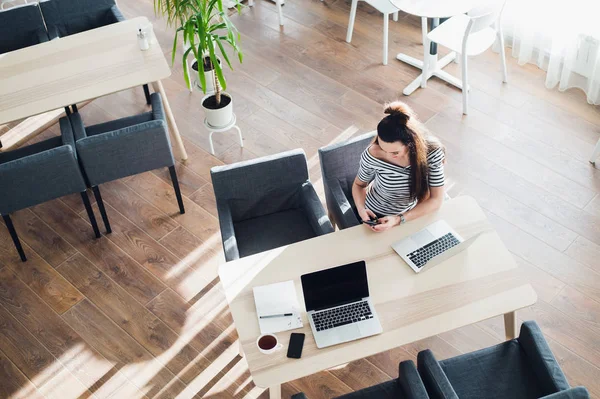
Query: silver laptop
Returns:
{"type": "Point", "coordinates": [431, 246]}
{"type": "Point", "coordinates": [338, 304]}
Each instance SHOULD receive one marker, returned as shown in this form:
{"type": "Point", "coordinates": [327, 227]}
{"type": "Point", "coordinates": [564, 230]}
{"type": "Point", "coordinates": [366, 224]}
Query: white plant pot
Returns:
{"type": "Point", "coordinates": [219, 117]}
{"type": "Point", "coordinates": [209, 76]}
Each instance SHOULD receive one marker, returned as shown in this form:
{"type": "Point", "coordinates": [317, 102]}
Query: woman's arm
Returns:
{"type": "Point", "coordinates": [425, 207]}
{"type": "Point", "coordinates": [359, 194]}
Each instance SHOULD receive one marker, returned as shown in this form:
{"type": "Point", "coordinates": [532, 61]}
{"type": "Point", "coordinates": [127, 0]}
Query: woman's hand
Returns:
{"type": "Point", "coordinates": [366, 214]}
{"type": "Point", "coordinates": [386, 223]}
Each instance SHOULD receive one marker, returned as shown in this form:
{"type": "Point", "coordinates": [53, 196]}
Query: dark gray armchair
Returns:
{"type": "Point", "coordinates": [339, 166]}
{"type": "Point", "coordinates": [68, 17]}
{"type": "Point", "coordinates": [522, 368]}
{"type": "Point", "coordinates": [125, 147]}
{"type": "Point", "coordinates": [20, 27]}
{"type": "Point", "coordinates": [266, 203]}
{"type": "Point", "coordinates": [38, 173]}
{"type": "Point", "coordinates": [408, 385]}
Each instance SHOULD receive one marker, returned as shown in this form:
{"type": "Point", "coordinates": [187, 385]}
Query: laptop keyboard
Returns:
{"type": "Point", "coordinates": [424, 254]}
{"type": "Point", "coordinates": [341, 316]}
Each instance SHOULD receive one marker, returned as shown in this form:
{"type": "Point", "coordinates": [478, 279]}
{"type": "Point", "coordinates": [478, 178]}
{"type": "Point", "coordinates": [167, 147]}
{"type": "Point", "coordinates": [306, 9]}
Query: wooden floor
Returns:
{"type": "Point", "coordinates": [140, 312]}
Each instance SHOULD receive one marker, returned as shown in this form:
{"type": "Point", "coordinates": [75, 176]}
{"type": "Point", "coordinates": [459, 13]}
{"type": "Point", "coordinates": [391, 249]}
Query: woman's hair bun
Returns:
{"type": "Point", "coordinates": [398, 108]}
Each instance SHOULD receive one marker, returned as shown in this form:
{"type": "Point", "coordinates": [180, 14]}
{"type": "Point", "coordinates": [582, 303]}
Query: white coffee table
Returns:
{"type": "Point", "coordinates": [430, 65]}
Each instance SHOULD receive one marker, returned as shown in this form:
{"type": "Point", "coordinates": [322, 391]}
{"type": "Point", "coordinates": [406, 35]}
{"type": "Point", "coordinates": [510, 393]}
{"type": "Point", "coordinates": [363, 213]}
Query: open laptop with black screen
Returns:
{"type": "Point", "coordinates": [338, 304]}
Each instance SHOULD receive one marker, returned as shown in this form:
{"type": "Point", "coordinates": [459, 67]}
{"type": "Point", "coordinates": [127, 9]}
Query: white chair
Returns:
{"type": "Point", "coordinates": [470, 35]}
{"type": "Point", "coordinates": [383, 6]}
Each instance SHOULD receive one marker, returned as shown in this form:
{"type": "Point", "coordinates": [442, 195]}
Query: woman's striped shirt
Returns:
{"type": "Point", "coordinates": [388, 190]}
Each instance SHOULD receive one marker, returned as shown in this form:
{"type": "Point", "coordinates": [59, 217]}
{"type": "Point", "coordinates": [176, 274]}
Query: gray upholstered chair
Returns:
{"type": "Point", "coordinates": [266, 203]}
{"type": "Point", "coordinates": [408, 385]}
{"type": "Point", "coordinates": [522, 368]}
{"type": "Point", "coordinates": [68, 17]}
{"type": "Point", "coordinates": [21, 26]}
{"type": "Point", "coordinates": [125, 147]}
{"type": "Point", "coordinates": [339, 165]}
{"type": "Point", "coordinates": [38, 173]}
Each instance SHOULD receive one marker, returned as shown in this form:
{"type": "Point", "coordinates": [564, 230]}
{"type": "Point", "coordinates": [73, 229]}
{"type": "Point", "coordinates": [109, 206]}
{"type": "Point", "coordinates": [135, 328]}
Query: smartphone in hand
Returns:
{"type": "Point", "coordinates": [372, 222]}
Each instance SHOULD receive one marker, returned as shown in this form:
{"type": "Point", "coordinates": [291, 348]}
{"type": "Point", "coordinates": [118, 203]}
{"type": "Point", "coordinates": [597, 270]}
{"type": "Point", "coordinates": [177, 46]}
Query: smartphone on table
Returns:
{"type": "Point", "coordinates": [295, 346]}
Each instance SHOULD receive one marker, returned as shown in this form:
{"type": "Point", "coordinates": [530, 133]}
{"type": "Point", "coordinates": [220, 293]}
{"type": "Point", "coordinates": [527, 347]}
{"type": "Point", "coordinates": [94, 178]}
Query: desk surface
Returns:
{"type": "Point", "coordinates": [478, 283]}
{"type": "Point", "coordinates": [77, 68]}
{"type": "Point", "coordinates": [434, 8]}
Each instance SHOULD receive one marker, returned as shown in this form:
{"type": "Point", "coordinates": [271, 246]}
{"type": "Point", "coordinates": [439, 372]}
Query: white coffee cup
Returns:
{"type": "Point", "coordinates": [268, 344]}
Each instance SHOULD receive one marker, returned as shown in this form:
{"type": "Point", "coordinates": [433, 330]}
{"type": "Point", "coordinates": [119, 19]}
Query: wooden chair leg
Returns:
{"type": "Point", "coordinates": [465, 84]}
{"type": "Point", "coordinates": [15, 237]}
{"type": "Point", "coordinates": [90, 213]}
{"type": "Point", "coordinates": [147, 94]}
{"type": "Point", "coordinates": [102, 209]}
{"type": "Point", "coordinates": [177, 190]}
{"type": "Point", "coordinates": [386, 22]}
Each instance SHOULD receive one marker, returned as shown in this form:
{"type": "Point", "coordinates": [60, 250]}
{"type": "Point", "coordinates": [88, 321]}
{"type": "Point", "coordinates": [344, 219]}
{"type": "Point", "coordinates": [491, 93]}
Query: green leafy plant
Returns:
{"type": "Point", "coordinates": [207, 29]}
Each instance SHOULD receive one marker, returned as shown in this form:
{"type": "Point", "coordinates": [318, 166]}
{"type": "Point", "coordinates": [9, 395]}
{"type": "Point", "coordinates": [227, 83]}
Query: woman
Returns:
{"type": "Point", "coordinates": [401, 174]}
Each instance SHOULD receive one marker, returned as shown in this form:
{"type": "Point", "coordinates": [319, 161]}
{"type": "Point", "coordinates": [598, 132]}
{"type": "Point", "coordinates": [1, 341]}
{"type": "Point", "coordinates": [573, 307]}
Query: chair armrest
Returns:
{"type": "Point", "coordinates": [42, 35]}
{"type": "Point", "coordinates": [66, 132]}
{"type": "Point", "coordinates": [314, 211]}
{"type": "Point", "coordinates": [125, 152]}
{"type": "Point", "coordinates": [116, 14]}
{"type": "Point", "coordinates": [77, 126]}
{"type": "Point", "coordinates": [53, 32]}
{"type": "Point", "coordinates": [158, 110]}
{"type": "Point", "coordinates": [433, 376]}
{"type": "Point", "coordinates": [299, 395]}
{"type": "Point", "coordinates": [227, 231]}
{"type": "Point", "coordinates": [544, 365]}
{"type": "Point", "coordinates": [343, 213]}
{"type": "Point", "coordinates": [572, 393]}
{"type": "Point", "coordinates": [410, 381]}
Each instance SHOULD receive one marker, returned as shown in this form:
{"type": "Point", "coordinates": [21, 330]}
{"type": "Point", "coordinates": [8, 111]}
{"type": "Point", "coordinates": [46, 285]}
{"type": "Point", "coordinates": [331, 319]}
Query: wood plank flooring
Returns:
{"type": "Point", "coordinates": [140, 313]}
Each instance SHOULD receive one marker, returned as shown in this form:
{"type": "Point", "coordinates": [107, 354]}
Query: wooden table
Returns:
{"type": "Point", "coordinates": [477, 284]}
{"type": "Point", "coordinates": [81, 67]}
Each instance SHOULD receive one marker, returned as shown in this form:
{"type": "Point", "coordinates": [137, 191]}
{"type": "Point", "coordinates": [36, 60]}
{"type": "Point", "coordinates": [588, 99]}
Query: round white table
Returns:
{"type": "Point", "coordinates": [430, 65]}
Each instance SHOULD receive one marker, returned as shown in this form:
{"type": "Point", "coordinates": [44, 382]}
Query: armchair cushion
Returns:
{"type": "Point", "coordinates": [386, 390]}
{"type": "Point", "coordinates": [272, 231]}
{"type": "Point", "coordinates": [21, 26]}
{"type": "Point", "coordinates": [67, 17]}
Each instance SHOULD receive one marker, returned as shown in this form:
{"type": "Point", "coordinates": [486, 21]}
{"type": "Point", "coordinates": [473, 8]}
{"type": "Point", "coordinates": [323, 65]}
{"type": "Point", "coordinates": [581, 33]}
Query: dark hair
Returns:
{"type": "Point", "coordinates": [401, 125]}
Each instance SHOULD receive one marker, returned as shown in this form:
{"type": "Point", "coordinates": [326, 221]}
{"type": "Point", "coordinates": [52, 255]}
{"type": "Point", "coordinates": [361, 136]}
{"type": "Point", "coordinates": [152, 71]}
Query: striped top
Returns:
{"type": "Point", "coordinates": [388, 190]}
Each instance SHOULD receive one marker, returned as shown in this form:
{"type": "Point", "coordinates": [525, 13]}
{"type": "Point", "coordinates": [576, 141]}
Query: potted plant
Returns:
{"type": "Point", "coordinates": [206, 31]}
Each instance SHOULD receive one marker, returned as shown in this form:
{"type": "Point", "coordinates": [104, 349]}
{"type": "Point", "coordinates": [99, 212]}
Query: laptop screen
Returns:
{"type": "Point", "coordinates": [335, 286]}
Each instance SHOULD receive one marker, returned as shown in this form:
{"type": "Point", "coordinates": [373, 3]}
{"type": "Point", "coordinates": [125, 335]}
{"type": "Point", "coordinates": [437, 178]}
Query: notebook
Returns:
{"type": "Point", "coordinates": [276, 299]}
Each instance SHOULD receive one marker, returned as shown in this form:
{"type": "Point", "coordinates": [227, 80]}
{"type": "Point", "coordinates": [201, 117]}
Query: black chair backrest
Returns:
{"type": "Point", "coordinates": [67, 17]}
{"type": "Point", "coordinates": [21, 26]}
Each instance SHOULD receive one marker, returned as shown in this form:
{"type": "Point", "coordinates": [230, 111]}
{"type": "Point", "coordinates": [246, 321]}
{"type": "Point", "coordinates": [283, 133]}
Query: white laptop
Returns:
{"type": "Point", "coordinates": [338, 304]}
{"type": "Point", "coordinates": [431, 246]}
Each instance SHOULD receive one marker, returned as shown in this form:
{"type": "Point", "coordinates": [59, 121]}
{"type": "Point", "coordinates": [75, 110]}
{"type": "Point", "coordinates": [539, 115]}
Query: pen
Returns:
{"type": "Point", "coordinates": [276, 315]}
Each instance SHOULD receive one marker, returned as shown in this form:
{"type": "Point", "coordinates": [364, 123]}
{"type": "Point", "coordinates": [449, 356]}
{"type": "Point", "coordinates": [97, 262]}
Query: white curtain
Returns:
{"type": "Point", "coordinates": [561, 37]}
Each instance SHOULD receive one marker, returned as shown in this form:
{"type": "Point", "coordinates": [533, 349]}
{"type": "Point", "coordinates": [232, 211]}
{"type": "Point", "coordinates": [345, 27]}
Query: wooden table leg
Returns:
{"type": "Point", "coordinates": [275, 392]}
{"type": "Point", "coordinates": [510, 325]}
{"type": "Point", "coordinates": [158, 87]}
